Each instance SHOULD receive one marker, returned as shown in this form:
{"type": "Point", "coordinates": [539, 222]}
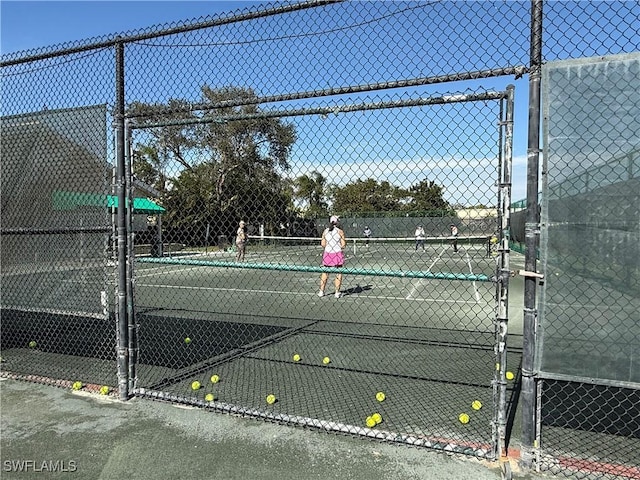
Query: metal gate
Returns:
{"type": "Point", "coordinates": [410, 345]}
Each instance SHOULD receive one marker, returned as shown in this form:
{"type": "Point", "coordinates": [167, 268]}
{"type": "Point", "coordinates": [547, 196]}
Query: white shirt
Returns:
{"type": "Point", "coordinates": [332, 239]}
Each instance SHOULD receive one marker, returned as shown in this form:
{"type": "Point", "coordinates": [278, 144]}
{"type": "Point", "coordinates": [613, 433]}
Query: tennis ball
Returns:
{"type": "Point", "coordinates": [380, 396]}
{"type": "Point", "coordinates": [77, 385]}
{"type": "Point", "coordinates": [271, 399]}
{"type": "Point", "coordinates": [509, 375]}
{"type": "Point", "coordinates": [476, 404]}
{"type": "Point", "coordinates": [464, 418]}
{"type": "Point", "coordinates": [195, 385]}
{"type": "Point", "coordinates": [215, 378]}
{"type": "Point", "coordinates": [209, 397]}
{"type": "Point", "coordinates": [326, 360]}
{"type": "Point", "coordinates": [296, 357]}
{"type": "Point", "coordinates": [33, 344]}
{"type": "Point", "coordinates": [370, 422]}
{"type": "Point", "coordinates": [104, 390]}
{"type": "Point", "coordinates": [187, 340]}
{"type": "Point", "coordinates": [377, 417]}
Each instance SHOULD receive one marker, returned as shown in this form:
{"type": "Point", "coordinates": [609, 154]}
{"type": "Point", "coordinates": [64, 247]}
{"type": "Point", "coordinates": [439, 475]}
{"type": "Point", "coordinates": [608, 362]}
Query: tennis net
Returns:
{"type": "Point", "coordinates": [310, 246]}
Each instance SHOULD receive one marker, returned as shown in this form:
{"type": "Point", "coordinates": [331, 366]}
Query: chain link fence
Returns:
{"type": "Point", "coordinates": [123, 263]}
{"type": "Point", "coordinates": [254, 316]}
{"type": "Point", "coordinates": [589, 319]}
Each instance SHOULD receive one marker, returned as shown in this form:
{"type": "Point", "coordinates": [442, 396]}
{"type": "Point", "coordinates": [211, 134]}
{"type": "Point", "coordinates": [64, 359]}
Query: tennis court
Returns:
{"type": "Point", "coordinates": [415, 324]}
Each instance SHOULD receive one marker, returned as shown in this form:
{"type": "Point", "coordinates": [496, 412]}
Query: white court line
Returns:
{"type": "Point", "coordinates": [475, 288]}
{"type": "Point", "coordinates": [420, 281]}
{"type": "Point", "coordinates": [303, 294]}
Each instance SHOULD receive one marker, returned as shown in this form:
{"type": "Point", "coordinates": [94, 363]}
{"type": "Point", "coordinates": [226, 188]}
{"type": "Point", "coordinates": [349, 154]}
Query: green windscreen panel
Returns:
{"type": "Point", "coordinates": [54, 259]}
{"type": "Point", "coordinates": [589, 324]}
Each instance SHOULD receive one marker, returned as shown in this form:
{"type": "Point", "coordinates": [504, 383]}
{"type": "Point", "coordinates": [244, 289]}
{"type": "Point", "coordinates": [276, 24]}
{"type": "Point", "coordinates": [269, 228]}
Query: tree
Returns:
{"type": "Point", "coordinates": [148, 167]}
{"type": "Point", "coordinates": [426, 196]}
{"type": "Point", "coordinates": [371, 196]}
{"type": "Point", "coordinates": [367, 196]}
{"type": "Point", "coordinates": [311, 190]}
{"type": "Point", "coordinates": [226, 166]}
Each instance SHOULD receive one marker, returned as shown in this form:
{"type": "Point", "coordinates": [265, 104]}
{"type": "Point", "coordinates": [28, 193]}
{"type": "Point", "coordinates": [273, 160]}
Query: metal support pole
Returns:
{"type": "Point", "coordinates": [131, 318]}
{"type": "Point", "coordinates": [122, 337]}
{"type": "Point", "coordinates": [503, 275]}
{"type": "Point", "coordinates": [528, 390]}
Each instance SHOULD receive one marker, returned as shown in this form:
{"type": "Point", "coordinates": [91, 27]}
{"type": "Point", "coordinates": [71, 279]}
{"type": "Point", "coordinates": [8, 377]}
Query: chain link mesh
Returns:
{"type": "Point", "coordinates": [56, 224]}
{"type": "Point", "coordinates": [388, 114]}
{"type": "Point", "coordinates": [243, 315]}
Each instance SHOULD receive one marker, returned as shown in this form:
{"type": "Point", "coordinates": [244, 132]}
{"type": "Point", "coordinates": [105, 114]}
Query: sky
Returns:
{"type": "Point", "coordinates": [31, 24]}
{"type": "Point", "coordinates": [28, 25]}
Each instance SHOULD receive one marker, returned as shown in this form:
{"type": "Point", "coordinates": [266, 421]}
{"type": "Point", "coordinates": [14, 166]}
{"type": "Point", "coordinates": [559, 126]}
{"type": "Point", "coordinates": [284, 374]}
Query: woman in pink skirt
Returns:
{"type": "Point", "coordinates": [334, 242]}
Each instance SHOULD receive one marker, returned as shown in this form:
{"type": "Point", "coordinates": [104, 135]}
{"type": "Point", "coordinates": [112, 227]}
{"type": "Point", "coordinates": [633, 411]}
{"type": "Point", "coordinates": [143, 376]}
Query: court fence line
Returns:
{"type": "Point", "coordinates": [283, 145]}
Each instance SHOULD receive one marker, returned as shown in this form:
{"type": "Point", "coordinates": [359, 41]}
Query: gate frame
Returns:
{"type": "Point", "coordinates": [501, 277]}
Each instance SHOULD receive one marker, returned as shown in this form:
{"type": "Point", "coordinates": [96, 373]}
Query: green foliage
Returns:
{"type": "Point", "coordinates": [227, 168]}
{"type": "Point", "coordinates": [311, 190]}
{"type": "Point", "coordinates": [371, 197]}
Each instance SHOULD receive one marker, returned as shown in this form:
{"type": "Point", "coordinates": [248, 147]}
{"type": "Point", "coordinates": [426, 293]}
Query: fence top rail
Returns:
{"type": "Point", "coordinates": [110, 40]}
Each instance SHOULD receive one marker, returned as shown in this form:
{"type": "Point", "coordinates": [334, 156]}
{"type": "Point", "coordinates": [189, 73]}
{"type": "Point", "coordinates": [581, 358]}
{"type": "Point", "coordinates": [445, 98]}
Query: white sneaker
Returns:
{"type": "Point", "coordinates": [321, 293]}
{"type": "Point", "coordinates": [338, 294]}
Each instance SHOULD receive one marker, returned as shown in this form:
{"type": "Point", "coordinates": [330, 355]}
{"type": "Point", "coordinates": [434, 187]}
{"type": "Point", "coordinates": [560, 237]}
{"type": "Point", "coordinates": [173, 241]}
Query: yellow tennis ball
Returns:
{"type": "Point", "coordinates": [370, 422]}
{"type": "Point", "coordinates": [509, 375]}
{"type": "Point", "coordinates": [494, 240]}
{"type": "Point", "coordinates": [195, 385]}
{"type": "Point", "coordinates": [464, 418]}
{"type": "Point", "coordinates": [296, 357]}
{"type": "Point", "coordinates": [380, 396]}
{"type": "Point", "coordinates": [476, 404]}
{"type": "Point", "coordinates": [326, 360]}
{"type": "Point", "coordinates": [271, 399]}
{"type": "Point", "coordinates": [187, 340]}
{"type": "Point", "coordinates": [77, 385]}
{"type": "Point", "coordinates": [104, 390]}
{"type": "Point", "coordinates": [33, 344]}
{"type": "Point", "coordinates": [209, 397]}
{"type": "Point", "coordinates": [377, 417]}
{"type": "Point", "coordinates": [215, 378]}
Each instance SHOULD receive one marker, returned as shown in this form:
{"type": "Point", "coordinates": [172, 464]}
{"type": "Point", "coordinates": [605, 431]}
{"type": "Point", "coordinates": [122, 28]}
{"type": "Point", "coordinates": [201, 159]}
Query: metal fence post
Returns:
{"type": "Point", "coordinates": [504, 273]}
{"type": "Point", "coordinates": [123, 334]}
{"type": "Point", "coordinates": [528, 392]}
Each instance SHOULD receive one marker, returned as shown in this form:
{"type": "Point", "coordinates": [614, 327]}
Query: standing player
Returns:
{"type": "Point", "coordinates": [454, 237]}
{"type": "Point", "coordinates": [333, 242]}
{"type": "Point", "coordinates": [241, 242]}
{"type": "Point", "coordinates": [367, 235]}
{"type": "Point", "coordinates": [419, 234]}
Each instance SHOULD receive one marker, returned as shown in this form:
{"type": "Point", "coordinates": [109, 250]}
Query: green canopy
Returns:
{"type": "Point", "coordinates": [69, 200]}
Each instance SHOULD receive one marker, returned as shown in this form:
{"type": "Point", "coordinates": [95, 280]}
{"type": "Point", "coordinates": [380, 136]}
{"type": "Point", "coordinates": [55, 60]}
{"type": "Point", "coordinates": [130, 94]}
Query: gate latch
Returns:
{"type": "Point", "coordinates": [525, 273]}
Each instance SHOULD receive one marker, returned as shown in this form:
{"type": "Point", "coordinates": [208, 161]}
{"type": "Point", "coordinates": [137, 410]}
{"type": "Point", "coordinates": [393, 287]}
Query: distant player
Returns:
{"type": "Point", "coordinates": [419, 234]}
{"type": "Point", "coordinates": [367, 235]}
{"type": "Point", "coordinates": [241, 242]}
{"type": "Point", "coordinates": [333, 242]}
{"type": "Point", "coordinates": [454, 237]}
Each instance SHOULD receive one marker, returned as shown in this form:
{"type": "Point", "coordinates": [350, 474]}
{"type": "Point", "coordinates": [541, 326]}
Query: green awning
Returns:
{"type": "Point", "coordinates": [70, 200]}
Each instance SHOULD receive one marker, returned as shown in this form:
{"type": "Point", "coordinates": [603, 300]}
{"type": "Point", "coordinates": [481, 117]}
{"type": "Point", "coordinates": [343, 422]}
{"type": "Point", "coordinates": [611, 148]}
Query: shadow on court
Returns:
{"type": "Point", "coordinates": [356, 290]}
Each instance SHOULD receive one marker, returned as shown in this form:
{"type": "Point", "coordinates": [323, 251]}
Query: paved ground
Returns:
{"type": "Point", "coordinates": [84, 435]}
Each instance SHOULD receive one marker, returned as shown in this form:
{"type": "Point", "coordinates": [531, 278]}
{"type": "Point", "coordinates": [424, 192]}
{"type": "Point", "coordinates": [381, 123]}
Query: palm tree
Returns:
{"type": "Point", "coordinates": [311, 190]}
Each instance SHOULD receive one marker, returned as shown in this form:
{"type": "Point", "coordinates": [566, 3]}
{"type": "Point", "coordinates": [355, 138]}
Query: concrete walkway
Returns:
{"type": "Point", "coordinates": [83, 435]}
